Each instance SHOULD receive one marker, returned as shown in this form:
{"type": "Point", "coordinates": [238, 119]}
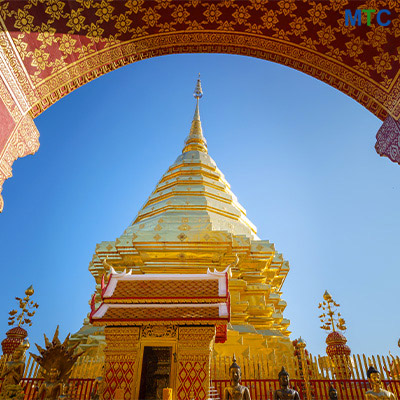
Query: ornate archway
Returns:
{"type": "Point", "coordinates": [49, 48]}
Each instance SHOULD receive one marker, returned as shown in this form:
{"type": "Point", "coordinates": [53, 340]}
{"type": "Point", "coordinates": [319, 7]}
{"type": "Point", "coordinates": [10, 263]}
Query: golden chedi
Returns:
{"type": "Point", "coordinates": [191, 222]}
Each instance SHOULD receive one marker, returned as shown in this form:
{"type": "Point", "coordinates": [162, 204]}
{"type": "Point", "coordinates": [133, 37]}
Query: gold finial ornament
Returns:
{"type": "Point", "coordinates": [29, 291]}
{"type": "Point", "coordinates": [196, 141]}
{"type": "Point", "coordinates": [327, 296]}
{"type": "Point", "coordinates": [198, 91]}
{"type": "Point", "coordinates": [331, 317]}
{"type": "Point", "coordinates": [27, 309]}
{"type": "Point", "coordinates": [301, 343]}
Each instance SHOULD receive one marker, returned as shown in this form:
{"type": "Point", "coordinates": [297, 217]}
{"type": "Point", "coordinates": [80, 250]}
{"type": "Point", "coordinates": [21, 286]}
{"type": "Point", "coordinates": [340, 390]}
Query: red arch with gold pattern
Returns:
{"type": "Point", "coordinates": [49, 48]}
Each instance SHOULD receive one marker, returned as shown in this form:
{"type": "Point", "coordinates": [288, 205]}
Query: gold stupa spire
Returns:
{"type": "Point", "coordinates": [196, 140]}
{"type": "Point", "coordinates": [193, 190]}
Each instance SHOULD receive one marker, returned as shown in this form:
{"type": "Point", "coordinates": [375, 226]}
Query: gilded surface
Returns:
{"type": "Point", "coordinates": [157, 331]}
{"type": "Point", "coordinates": [189, 334]}
{"type": "Point", "coordinates": [193, 382]}
{"type": "Point", "coordinates": [195, 194]}
{"type": "Point", "coordinates": [12, 374]}
{"type": "Point", "coordinates": [56, 362]}
{"type": "Point", "coordinates": [194, 351]}
{"type": "Point", "coordinates": [120, 361]}
{"type": "Point", "coordinates": [49, 48]}
{"type": "Point", "coordinates": [23, 140]}
{"type": "Point", "coordinates": [120, 339]}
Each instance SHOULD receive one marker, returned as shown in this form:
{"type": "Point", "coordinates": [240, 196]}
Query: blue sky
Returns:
{"type": "Point", "coordinates": [298, 154]}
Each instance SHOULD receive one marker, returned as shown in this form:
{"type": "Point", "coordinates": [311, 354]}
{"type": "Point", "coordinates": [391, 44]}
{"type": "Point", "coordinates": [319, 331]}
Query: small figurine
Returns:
{"type": "Point", "coordinates": [51, 388]}
{"type": "Point", "coordinates": [64, 392]}
{"type": "Point", "coordinates": [235, 391]}
{"type": "Point", "coordinates": [13, 373]}
{"type": "Point", "coordinates": [376, 392]}
{"type": "Point", "coordinates": [285, 393]}
{"type": "Point", "coordinates": [332, 393]}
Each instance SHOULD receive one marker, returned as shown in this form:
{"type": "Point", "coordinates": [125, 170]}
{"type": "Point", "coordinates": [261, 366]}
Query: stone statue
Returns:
{"type": "Point", "coordinates": [285, 393]}
{"type": "Point", "coordinates": [235, 391]}
{"type": "Point", "coordinates": [332, 393]}
{"type": "Point", "coordinates": [13, 373]}
{"type": "Point", "coordinates": [376, 392]}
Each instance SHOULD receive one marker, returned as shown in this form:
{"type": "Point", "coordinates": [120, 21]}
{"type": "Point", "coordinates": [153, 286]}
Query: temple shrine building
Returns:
{"type": "Point", "coordinates": [188, 279]}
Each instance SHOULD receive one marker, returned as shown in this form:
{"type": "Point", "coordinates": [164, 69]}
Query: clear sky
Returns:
{"type": "Point", "coordinates": [298, 154]}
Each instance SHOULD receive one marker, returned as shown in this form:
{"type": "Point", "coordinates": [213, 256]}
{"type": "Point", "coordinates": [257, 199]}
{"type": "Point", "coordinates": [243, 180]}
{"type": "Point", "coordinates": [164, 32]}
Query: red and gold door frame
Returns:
{"type": "Point", "coordinates": [191, 348]}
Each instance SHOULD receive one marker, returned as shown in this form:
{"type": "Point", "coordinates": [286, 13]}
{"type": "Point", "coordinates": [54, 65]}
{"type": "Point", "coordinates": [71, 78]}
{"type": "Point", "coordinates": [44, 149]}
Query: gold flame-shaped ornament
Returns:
{"type": "Point", "coordinates": [331, 318]}
{"type": "Point", "coordinates": [27, 309]}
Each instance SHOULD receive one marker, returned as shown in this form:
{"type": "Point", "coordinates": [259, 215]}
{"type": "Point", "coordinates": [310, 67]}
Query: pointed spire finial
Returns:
{"type": "Point", "coordinates": [198, 92]}
{"type": "Point", "coordinates": [196, 140]}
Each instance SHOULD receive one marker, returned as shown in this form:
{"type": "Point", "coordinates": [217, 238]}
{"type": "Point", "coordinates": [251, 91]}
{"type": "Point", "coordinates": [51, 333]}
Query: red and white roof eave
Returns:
{"type": "Point", "coordinates": [222, 278]}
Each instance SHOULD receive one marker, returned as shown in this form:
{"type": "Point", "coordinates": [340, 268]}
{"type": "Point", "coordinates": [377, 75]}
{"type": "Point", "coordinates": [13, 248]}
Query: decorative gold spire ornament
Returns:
{"type": "Point", "coordinates": [27, 309]}
{"type": "Point", "coordinates": [198, 92]}
{"type": "Point", "coordinates": [336, 348]}
{"type": "Point", "coordinates": [196, 140]}
{"type": "Point", "coordinates": [330, 317]}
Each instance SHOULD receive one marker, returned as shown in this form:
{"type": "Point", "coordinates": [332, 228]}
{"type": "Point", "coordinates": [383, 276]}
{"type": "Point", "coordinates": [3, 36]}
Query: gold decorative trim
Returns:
{"type": "Point", "coordinates": [24, 140]}
{"type": "Point", "coordinates": [14, 74]}
{"type": "Point", "coordinates": [165, 301]}
{"type": "Point", "coordinates": [305, 60]}
{"type": "Point", "coordinates": [116, 323]}
{"type": "Point", "coordinates": [157, 331]}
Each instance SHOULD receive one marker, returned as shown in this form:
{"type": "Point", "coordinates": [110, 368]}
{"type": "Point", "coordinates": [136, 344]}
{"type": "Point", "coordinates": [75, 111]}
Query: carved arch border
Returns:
{"type": "Point", "coordinates": [24, 139]}
{"type": "Point", "coordinates": [372, 96]}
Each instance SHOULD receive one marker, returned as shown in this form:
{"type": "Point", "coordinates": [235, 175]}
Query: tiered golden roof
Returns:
{"type": "Point", "coordinates": [163, 299]}
{"type": "Point", "coordinates": [192, 221]}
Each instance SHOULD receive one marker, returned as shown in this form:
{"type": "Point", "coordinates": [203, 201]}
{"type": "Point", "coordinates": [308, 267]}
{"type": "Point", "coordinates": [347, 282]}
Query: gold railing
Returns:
{"type": "Point", "coordinates": [257, 367]}
{"type": "Point", "coordinates": [88, 367]}
{"type": "Point", "coordinates": [320, 367]}
{"type": "Point", "coordinates": [85, 367]}
{"type": "Point", "coordinates": [310, 375]}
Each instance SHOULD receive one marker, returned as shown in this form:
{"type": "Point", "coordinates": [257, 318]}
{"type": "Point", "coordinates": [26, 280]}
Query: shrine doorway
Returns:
{"type": "Point", "coordinates": [155, 373]}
